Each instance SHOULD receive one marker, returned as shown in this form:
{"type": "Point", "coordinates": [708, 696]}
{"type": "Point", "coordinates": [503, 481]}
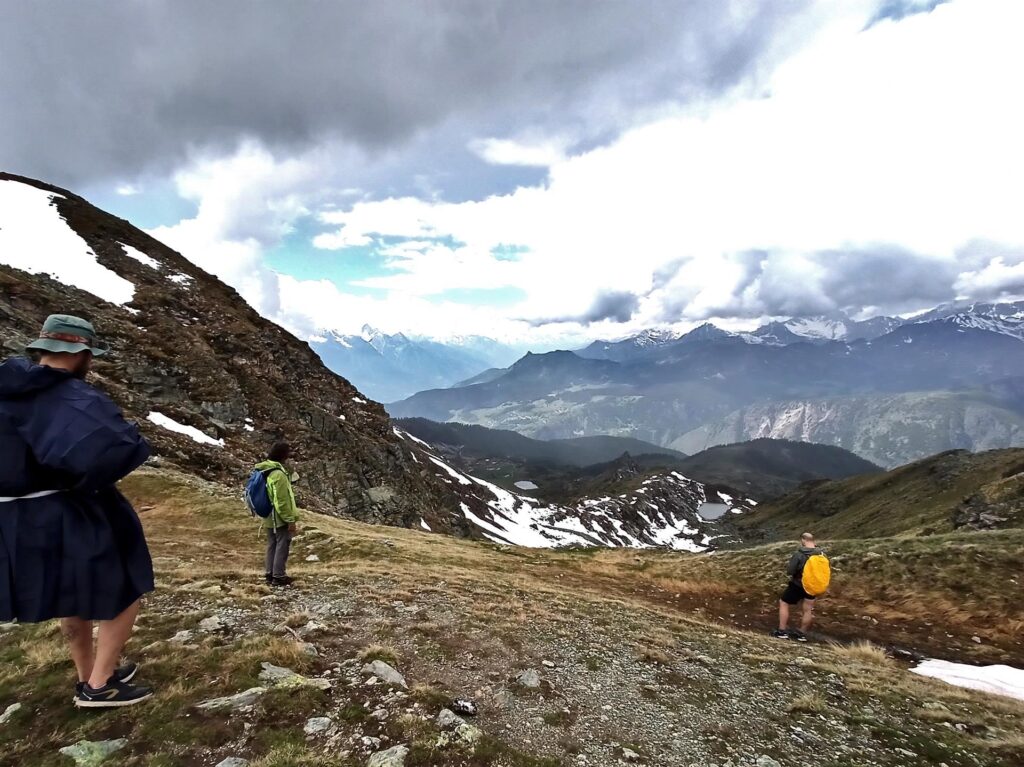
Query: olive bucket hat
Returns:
{"type": "Point", "coordinates": [64, 333]}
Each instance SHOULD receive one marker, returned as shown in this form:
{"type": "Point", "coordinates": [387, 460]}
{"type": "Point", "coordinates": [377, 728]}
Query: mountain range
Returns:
{"type": "Point", "coordinates": [388, 367]}
{"type": "Point", "coordinates": [889, 390]}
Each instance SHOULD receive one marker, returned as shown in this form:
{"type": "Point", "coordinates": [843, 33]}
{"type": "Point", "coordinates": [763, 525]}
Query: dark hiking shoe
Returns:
{"type": "Point", "coordinates": [114, 694]}
{"type": "Point", "coordinates": [269, 578]}
{"type": "Point", "coordinates": [284, 580]}
{"type": "Point", "coordinates": [798, 635]}
{"type": "Point", "coordinates": [780, 634]}
{"type": "Point", "coordinates": [125, 674]}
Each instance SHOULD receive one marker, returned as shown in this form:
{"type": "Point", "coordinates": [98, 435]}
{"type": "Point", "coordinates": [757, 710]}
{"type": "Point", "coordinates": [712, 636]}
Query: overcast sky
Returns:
{"type": "Point", "coordinates": [544, 171]}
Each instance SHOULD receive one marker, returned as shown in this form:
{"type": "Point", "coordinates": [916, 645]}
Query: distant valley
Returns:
{"type": "Point", "coordinates": [889, 390]}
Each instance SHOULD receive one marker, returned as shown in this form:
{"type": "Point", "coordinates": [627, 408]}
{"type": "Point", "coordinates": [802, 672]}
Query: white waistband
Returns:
{"type": "Point", "coordinates": [40, 494]}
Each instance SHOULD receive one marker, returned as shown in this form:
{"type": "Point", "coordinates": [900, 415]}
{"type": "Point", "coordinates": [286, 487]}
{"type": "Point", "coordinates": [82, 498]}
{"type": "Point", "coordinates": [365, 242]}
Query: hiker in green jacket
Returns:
{"type": "Point", "coordinates": [281, 524]}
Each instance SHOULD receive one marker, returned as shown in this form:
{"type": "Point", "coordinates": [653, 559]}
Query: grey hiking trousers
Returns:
{"type": "Point", "coordinates": [279, 543]}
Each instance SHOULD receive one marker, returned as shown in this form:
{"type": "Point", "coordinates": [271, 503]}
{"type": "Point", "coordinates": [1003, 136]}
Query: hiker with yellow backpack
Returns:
{"type": "Point", "coordinates": [809, 576]}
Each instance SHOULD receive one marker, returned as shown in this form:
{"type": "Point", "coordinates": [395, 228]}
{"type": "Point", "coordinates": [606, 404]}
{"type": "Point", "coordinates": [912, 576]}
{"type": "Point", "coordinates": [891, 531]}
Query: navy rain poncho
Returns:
{"type": "Point", "coordinates": [80, 552]}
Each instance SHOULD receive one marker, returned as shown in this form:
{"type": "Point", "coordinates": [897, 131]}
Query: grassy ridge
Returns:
{"type": "Point", "coordinates": [921, 498]}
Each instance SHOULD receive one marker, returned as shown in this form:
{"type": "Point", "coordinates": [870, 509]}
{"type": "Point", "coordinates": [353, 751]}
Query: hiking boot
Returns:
{"type": "Point", "coordinates": [114, 694]}
{"type": "Point", "coordinates": [123, 674]}
{"type": "Point", "coordinates": [270, 579]}
{"type": "Point", "coordinates": [798, 635]}
{"type": "Point", "coordinates": [780, 634]}
{"type": "Point", "coordinates": [284, 580]}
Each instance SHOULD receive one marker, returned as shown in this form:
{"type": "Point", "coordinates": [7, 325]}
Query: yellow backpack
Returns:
{"type": "Point", "coordinates": [817, 574]}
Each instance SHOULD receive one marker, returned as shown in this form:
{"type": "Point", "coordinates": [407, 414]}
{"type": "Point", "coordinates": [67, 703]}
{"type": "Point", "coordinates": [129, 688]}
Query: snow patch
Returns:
{"type": "Point", "coordinates": [139, 256]}
{"type": "Point", "coordinates": [424, 525]}
{"type": "Point", "coordinates": [36, 239]}
{"type": "Point", "coordinates": [180, 279]}
{"type": "Point", "coordinates": [189, 431]}
{"type": "Point", "coordinates": [458, 477]}
{"type": "Point", "coordinates": [526, 485]}
{"type": "Point", "coordinates": [998, 680]}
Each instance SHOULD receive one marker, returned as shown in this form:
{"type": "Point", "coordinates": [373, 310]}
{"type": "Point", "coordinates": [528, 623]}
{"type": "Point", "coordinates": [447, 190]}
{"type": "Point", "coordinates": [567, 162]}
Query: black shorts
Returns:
{"type": "Point", "coordinates": [794, 593]}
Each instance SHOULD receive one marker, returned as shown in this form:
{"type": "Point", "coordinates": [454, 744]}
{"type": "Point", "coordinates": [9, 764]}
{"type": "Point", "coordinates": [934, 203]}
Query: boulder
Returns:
{"type": "Point", "coordinates": [529, 679]}
{"type": "Point", "coordinates": [87, 753]}
{"type": "Point", "coordinates": [235, 702]}
{"type": "Point", "coordinates": [318, 725]}
{"type": "Point", "coordinates": [448, 720]}
{"type": "Point", "coordinates": [233, 761]}
{"type": "Point", "coordinates": [385, 673]}
{"type": "Point", "coordinates": [11, 710]}
{"type": "Point", "coordinates": [278, 676]}
{"type": "Point", "coordinates": [393, 757]}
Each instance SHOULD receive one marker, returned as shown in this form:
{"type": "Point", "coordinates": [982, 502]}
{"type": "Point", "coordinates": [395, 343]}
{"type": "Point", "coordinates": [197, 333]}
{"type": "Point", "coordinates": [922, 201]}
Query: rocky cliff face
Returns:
{"type": "Point", "coordinates": [888, 430]}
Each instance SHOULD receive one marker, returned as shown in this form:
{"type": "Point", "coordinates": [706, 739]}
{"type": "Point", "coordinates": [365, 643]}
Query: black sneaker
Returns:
{"type": "Point", "coordinates": [798, 635]}
{"type": "Point", "coordinates": [124, 674]}
{"type": "Point", "coordinates": [284, 580]}
{"type": "Point", "coordinates": [113, 694]}
{"type": "Point", "coordinates": [270, 579]}
{"type": "Point", "coordinates": [780, 634]}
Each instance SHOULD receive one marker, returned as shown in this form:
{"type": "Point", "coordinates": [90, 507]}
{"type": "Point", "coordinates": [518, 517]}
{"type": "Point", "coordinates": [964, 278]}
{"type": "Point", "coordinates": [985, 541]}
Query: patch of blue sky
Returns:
{"type": "Point", "coordinates": [505, 252]}
{"type": "Point", "coordinates": [155, 204]}
{"type": "Point", "coordinates": [296, 256]}
{"type": "Point", "coordinates": [494, 297]}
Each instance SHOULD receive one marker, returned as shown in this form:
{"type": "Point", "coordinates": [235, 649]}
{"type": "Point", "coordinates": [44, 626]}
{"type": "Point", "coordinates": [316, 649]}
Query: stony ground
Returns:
{"type": "Point", "coordinates": [387, 629]}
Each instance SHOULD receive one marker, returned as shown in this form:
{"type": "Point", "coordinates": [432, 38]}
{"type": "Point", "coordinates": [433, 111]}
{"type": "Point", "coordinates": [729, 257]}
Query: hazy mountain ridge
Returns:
{"type": "Point", "coordinates": [712, 387]}
{"type": "Point", "coordinates": [392, 366]}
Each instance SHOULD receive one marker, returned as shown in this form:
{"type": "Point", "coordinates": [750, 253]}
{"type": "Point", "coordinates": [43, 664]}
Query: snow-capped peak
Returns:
{"type": "Point", "coordinates": [824, 328]}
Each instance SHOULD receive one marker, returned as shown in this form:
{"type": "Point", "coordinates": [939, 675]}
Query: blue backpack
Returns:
{"type": "Point", "coordinates": [257, 496]}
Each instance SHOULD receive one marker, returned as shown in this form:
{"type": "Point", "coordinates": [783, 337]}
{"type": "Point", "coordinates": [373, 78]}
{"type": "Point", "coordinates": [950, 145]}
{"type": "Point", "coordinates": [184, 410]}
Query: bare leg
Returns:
{"type": "Point", "coordinates": [808, 619]}
{"type": "Point", "coordinates": [78, 634]}
{"type": "Point", "coordinates": [110, 642]}
{"type": "Point", "coordinates": [783, 616]}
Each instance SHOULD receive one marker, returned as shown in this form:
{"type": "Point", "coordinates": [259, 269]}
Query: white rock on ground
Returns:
{"type": "Point", "coordinates": [212, 624]}
{"type": "Point", "coordinates": [183, 637]}
{"type": "Point", "coordinates": [318, 725]}
{"type": "Point", "coordinates": [529, 679]}
{"type": "Point", "coordinates": [87, 753]}
{"type": "Point", "coordinates": [233, 761]}
{"type": "Point", "coordinates": [447, 719]}
{"type": "Point", "coordinates": [11, 710]}
{"type": "Point", "coordinates": [393, 757]}
{"type": "Point", "coordinates": [240, 700]}
{"type": "Point", "coordinates": [385, 673]}
{"type": "Point", "coordinates": [766, 761]}
{"type": "Point", "coordinates": [278, 676]}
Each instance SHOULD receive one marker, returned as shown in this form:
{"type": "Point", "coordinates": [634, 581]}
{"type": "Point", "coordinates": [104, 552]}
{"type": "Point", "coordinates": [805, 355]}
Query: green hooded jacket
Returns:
{"type": "Point", "coordinates": [279, 486]}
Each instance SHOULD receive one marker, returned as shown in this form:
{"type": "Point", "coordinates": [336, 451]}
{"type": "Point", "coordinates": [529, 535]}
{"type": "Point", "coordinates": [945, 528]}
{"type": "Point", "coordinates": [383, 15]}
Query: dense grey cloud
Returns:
{"type": "Point", "coordinates": [611, 305]}
{"type": "Point", "coordinates": [94, 89]}
{"type": "Point", "coordinates": [885, 279]}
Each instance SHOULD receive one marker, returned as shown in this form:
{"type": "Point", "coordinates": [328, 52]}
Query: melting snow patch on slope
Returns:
{"type": "Point", "coordinates": [191, 432]}
{"type": "Point", "coordinates": [34, 238]}
{"type": "Point", "coordinates": [139, 256]}
{"type": "Point", "coordinates": [424, 525]}
{"type": "Point", "coordinates": [407, 435]}
{"type": "Point", "coordinates": [457, 476]}
{"type": "Point", "coordinates": [180, 279]}
{"type": "Point", "coordinates": [999, 680]}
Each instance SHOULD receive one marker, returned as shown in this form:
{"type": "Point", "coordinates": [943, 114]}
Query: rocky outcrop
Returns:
{"type": "Point", "coordinates": [189, 347]}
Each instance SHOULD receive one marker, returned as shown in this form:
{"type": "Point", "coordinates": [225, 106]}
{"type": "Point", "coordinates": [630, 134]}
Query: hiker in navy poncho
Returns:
{"type": "Point", "coordinates": [71, 546]}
